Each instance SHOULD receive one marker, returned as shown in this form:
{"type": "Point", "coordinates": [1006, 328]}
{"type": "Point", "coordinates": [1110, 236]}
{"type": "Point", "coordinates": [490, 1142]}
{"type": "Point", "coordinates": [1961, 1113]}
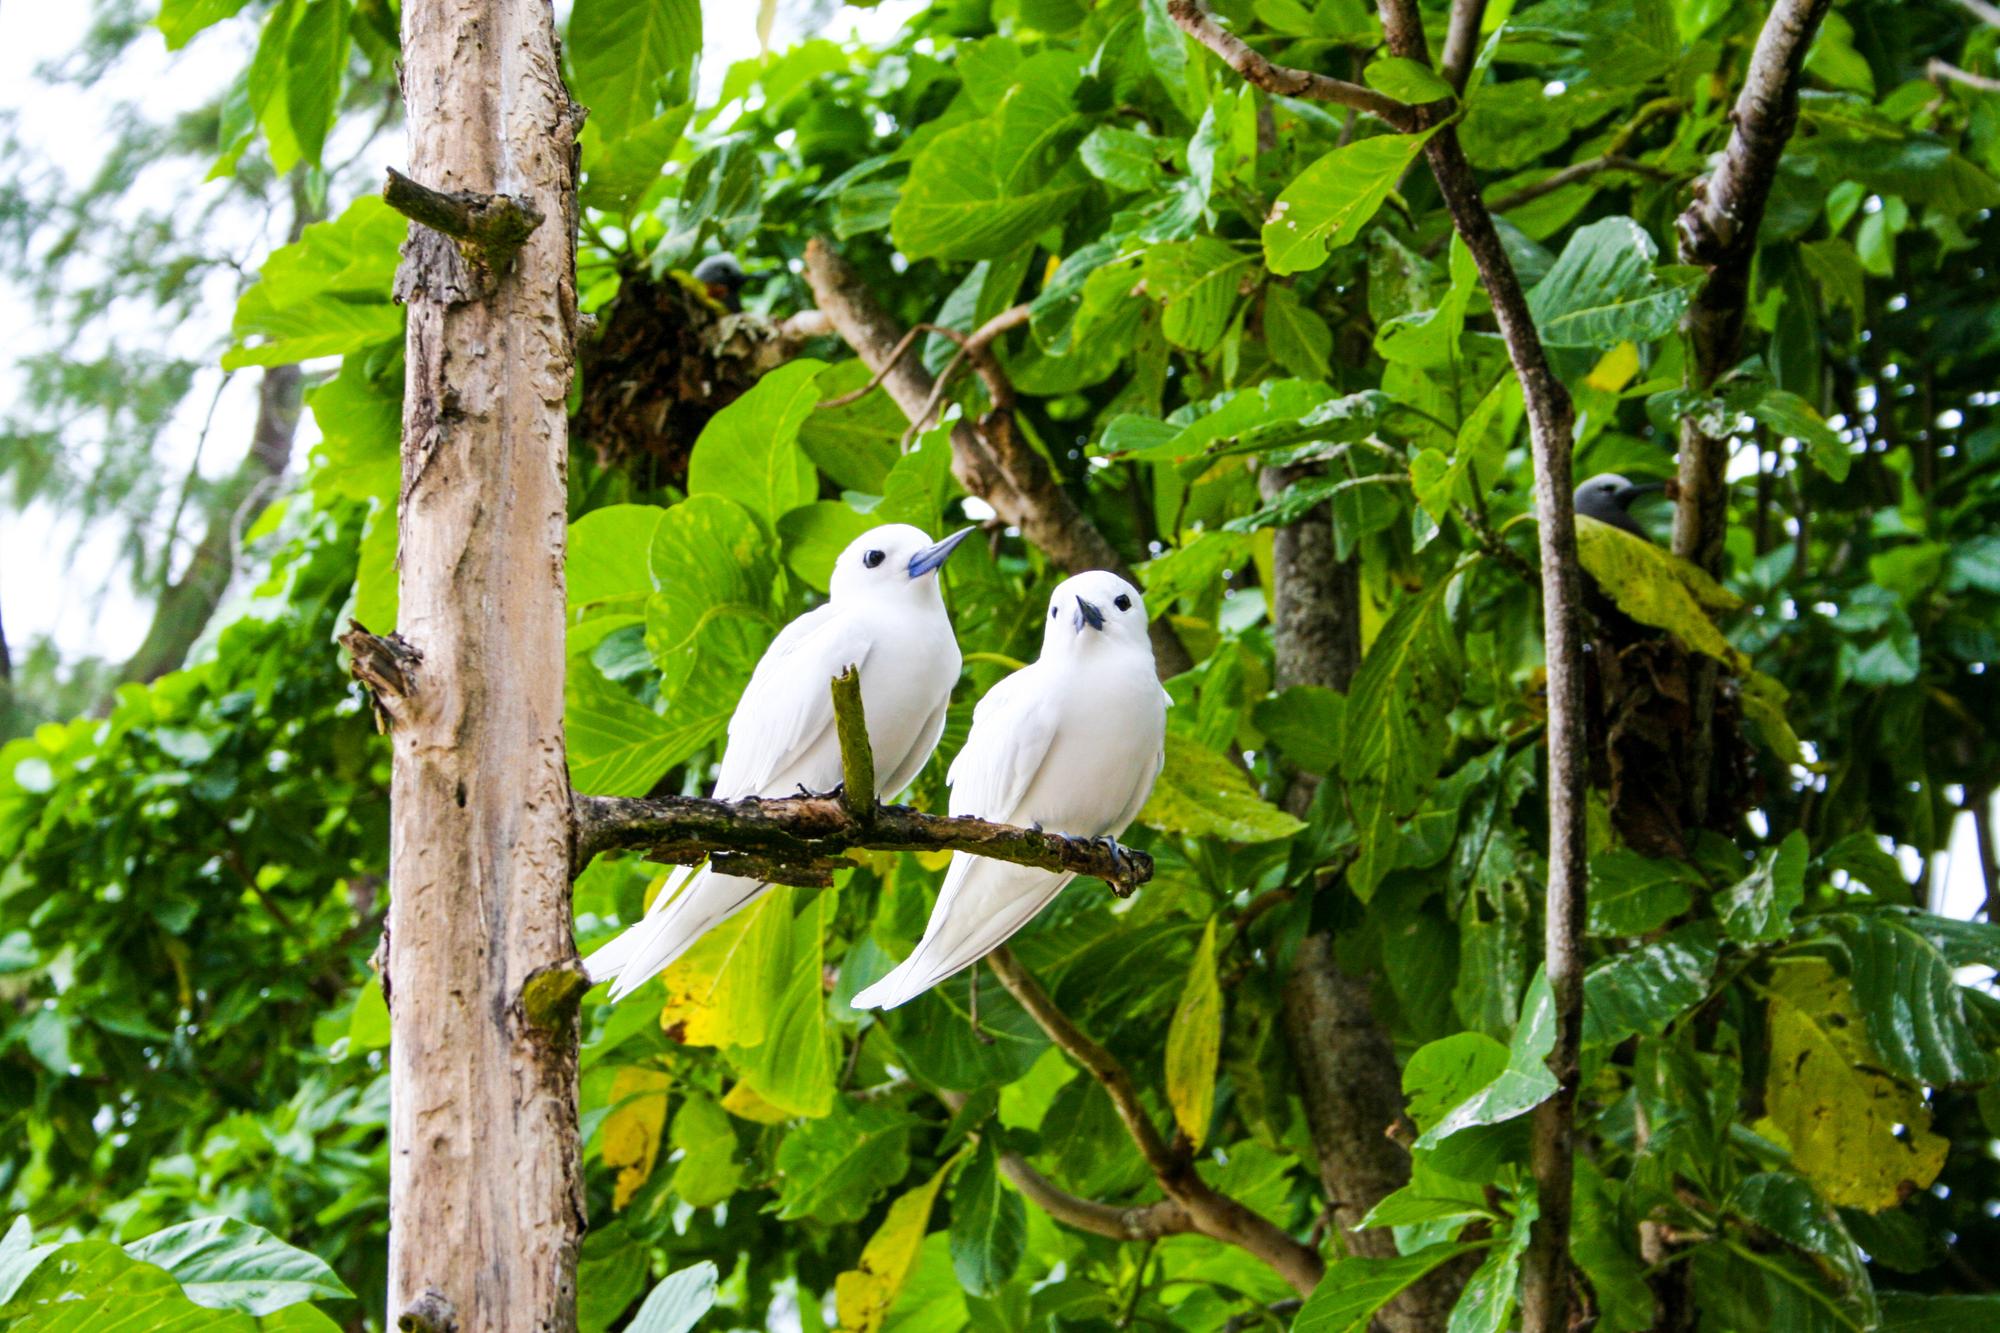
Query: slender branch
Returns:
{"type": "Point", "coordinates": [1980, 802]}
{"type": "Point", "coordinates": [992, 461]}
{"type": "Point", "coordinates": [1569, 175]}
{"type": "Point", "coordinates": [489, 228]}
{"type": "Point", "coordinates": [1198, 22]}
{"type": "Point", "coordinates": [857, 756]}
{"type": "Point", "coordinates": [1719, 231]}
{"type": "Point", "coordinates": [1551, 420]}
{"type": "Point", "coordinates": [1981, 10]}
{"type": "Point", "coordinates": [1211, 1212]}
{"type": "Point", "coordinates": [1461, 42]}
{"type": "Point", "coordinates": [1945, 70]}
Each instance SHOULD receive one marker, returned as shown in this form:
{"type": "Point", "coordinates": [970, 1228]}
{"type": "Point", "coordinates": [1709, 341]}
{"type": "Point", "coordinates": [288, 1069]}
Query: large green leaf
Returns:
{"type": "Point", "coordinates": [1487, 1303]}
{"type": "Point", "coordinates": [1396, 726]}
{"type": "Point", "coordinates": [1644, 989]}
{"type": "Point", "coordinates": [621, 51]}
{"type": "Point", "coordinates": [1604, 290]}
{"type": "Point", "coordinates": [231, 1265]}
{"type": "Point", "coordinates": [1327, 204]}
{"type": "Point", "coordinates": [315, 61]}
{"type": "Point", "coordinates": [749, 451]}
{"type": "Point", "coordinates": [1915, 1009]}
{"type": "Point", "coordinates": [610, 553]}
{"type": "Point", "coordinates": [833, 1169]}
{"type": "Point", "coordinates": [1632, 894]}
{"type": "Point", "coordinates": [1201, 794]}
{"type": "Point", "coordinates": [989, 1224]}
{"type": "Point", "coordinates": [1198, 283]}
{"type": "Point", "coordinates": [1354, 1288]}
{"type": "Point", "coordinates": [326, 293]}
{"type": "Point", "coordinates": [1759, 907]}
{"type": "Point", "coordinates": [793, 1068]}
{"type": "Point", "coordinates": [1524, 1083]}
{"type": "Point", "coordinates": [1194, 1041]}
{"type": "Point", "coordinates": [180, 20]}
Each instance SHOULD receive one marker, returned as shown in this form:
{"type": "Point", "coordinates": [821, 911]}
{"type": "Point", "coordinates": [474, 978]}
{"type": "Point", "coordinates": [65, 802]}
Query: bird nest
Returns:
{"type": "Point", "coordinates": [664, 358]}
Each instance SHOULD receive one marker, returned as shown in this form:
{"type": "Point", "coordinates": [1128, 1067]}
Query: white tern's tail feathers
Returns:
{"type": "Point", "coordinates": [669, 929]}
{"type": "Point", "coordinates": [983, 903]}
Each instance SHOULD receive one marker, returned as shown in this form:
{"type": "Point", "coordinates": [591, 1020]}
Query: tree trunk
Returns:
{"type": "Point", "coordinates": [485, 1195]}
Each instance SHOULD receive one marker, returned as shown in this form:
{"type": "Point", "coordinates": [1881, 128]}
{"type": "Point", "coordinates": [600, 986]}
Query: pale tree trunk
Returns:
{"type": "Point", "coordinates": [485, 1197]}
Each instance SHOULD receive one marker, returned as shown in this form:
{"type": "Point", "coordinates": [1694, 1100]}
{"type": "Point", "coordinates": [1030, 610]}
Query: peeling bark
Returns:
{"type": "Point", "coordinates": [486, 1205]}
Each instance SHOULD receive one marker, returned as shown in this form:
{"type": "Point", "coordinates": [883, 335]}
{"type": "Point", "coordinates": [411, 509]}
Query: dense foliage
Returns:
{"type": "Point", "coordinates": [1789, 1062]}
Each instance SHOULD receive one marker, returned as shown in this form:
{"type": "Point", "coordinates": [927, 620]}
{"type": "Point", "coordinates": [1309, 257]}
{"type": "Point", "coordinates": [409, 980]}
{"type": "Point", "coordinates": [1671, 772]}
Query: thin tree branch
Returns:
{"type": "Point", "coordinates": [1211, 1212]}
{"type": "Point", "coordinates": [1945, 70]}
{"type": "Point", "coordinates": [1461, 42]}
{"type": "Point", "coordinates": [796, 839]}
{"type": "Point", "coordinates": [1980, 803]}
{"type": "Point", "coordinates": [991, 461]}
{"type": "Point", "coordinates": [1545, 1301]}
{"type": "Point", "coordinates": [1195, 19]}
{"type": "Point", "coordinates": [1719, 231]}
{"type": "Point", "coordinates": [490, 229]}
{"type": "Point", "coordinates": [1571, 174]}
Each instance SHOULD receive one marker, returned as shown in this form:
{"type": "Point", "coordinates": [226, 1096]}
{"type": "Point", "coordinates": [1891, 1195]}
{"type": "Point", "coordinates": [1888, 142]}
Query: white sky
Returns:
{"type": "Point", "coordinates": [58, 580]}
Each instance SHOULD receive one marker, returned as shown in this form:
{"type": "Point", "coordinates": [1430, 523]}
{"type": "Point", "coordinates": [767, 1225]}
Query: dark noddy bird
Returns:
{"type": "Point", "coordinates": [724, 279]}
{"type": "Point", "coordinates": [1608, 498]}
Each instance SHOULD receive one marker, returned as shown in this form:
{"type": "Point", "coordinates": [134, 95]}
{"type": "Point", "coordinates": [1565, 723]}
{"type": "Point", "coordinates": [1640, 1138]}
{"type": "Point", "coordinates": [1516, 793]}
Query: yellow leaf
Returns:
{"type": "Point", "coordinates": [1615, 369]}
{"type": "Point", "coordinates": [720, 992]}
{"type": "Point", "coordinates": [1656, 587]}
{"type": "Point", "coordinates": [1194, 1041]}
{"type": "Point", "coordinates": [631, 1136]}
{"type": "Point", "coordinates": [1827, 1098]}
{"type": "Point", "coordinates": [743, 1102]}
{"type": "Point", "coordinates": [864, 1295]}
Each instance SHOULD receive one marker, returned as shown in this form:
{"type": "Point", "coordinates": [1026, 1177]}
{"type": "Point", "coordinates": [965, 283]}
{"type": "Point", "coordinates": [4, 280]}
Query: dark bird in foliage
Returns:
{"type": "Point", "coordinates": [1608, 497]}
{"type": "Point", "coordinates": [723, 277]}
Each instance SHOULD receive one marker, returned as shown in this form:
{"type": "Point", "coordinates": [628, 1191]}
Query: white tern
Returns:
{"type": "Point", "coordinates": [886, 617]}
{"type": "Point", "coordinates": [1071, 744]}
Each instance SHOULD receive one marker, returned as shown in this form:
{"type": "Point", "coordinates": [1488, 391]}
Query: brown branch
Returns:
{"type": "Point", "coordinates": [1211, 1212]}
{"type": "Point", "coordinates": [1944, 70]}
{"type": "Point", "coordinates": [1981, 804]}
{"type": "Point", "coordinates": [1461, 42]}
{"type": "Point", "coordinates": [1569, 175]}
{"type": "Point", "coordinates": [1545, 1298]}
{"type": "Point", "coordinates": [1719, 231]}
{"type": "Point", "coordinates": [857, 756]}
{"type": "Point", "coordinates": [490, 229]}
{"type": "Point", "coordinates": [990, 461]}
{"type": "Point", "coordinates": [386, 666]}
{"type": "Point", "coordinates": [1196, 21]}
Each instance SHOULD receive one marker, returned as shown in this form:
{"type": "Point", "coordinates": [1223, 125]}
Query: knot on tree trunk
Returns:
{"type": "Point", "coordinates": [487, 229]}
{"type": "Point", "coordinates": [387, 666]}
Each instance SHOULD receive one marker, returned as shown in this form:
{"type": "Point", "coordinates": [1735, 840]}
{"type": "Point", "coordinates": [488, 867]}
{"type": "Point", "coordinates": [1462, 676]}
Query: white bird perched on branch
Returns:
{"type": "Point", "coordinates": [1071, 743]}
{"type": "Point", "coordinates": [885, 617]}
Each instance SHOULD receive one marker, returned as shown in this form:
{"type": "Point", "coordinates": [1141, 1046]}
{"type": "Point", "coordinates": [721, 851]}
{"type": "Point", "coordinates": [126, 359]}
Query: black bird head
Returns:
{"type": "Point", "coordinates": [724, 279]}
{"type": "Point", "coordinates": [1608, 498]}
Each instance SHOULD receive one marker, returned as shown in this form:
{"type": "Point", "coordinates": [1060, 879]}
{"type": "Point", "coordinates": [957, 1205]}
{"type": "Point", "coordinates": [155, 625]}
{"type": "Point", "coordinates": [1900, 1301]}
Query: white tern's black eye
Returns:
{"type": "Point", "coordinates": [871, 559]}
{"type": "Point", "coordinates": [1052, 613]}
{"type": "Point", "coordinates": [1122, 602]}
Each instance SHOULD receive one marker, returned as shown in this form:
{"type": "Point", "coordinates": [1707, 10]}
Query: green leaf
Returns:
{"type": "Point", "coordinates": [1299, 339]}
{"type": "Point", "coordinates": [610, 550]}
{"type": "Point", "coordinates": [1306, 723]}
{"type": "Point", "coordinates": [834, 1168]}
{"type": "Point", "coordinates": [1912, 1312]}
{"type": "Point", "coordinates": [315, 61]}
{"type": "Point", "coordinates": [617, 745]}
{"type": "Point", "coordinates": [180, 20]}
{"type": "Point", "coordinates": [679, 1302]}
{"type": "Point", "coordinates": [1785, 1205]}
{"type": "Point", "coordinates": [1915, 1009]}
{"type": "Point", "coordinates": [1397, 727]}
{"type": "Point", "coordinates": [1355, 1288]}
{"type": "Point", "coordinates": [711, 1166]}
{"type": "Point", "coordinates": [1644, 989]}
{"type": "Point", "coordinates": [1759, 907]}
{"type": "Point", "coordinates": [230, 1265]}
{"type": "Point", "coordinates": [622, 51]}
{"type": "Point", "coordinates": [619, 171]}
{"type": "Point", "coordinates": [1603, 289]}
{"type": "Point", "coordinates": [989, 1224]}
{"type": "Point", "coordinates": [989, 187]}
{"type": "Point", "coordinates": [1632, 894]}
{"type": "Point", "coordinates": [1201, 794]}
{"type": "Point", "coordinates": [1487, 1302]}
{"type": "Point", "coordinates": [1524, 1084]}
{"type": "Point", "coordinates": [814, 535]}
{"type": "Point", "coordinates": [1295, 408]}
{"type": "Point", "coordinates": [610, 1274]}
{"type": "Point", "coordinates": [749, 451]}
{"type": "Point", "coordinates": [1128, 159]}
{"type": "Point", "coordinates": [1789, 414]}
{"type": "Point", "coordinates": [1194, 1042]}
{"type": "Point", "coordinates": [1197, 282]}
{"type": "Point", "coordinates": [1442, 1074]}
{"type": "Point", "coordinates": [793, 1068]}
{"type": "Point", "coordinates": [1327, 204]}
{"type": "Point", "coordinates": [865, 1294]}
{"type": "Point", "coordinates": [1405, 80]}
{"type": "Point", "coordinates": [368, 1026]}
{"type": "Point", "coordinates": [326, 293]}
